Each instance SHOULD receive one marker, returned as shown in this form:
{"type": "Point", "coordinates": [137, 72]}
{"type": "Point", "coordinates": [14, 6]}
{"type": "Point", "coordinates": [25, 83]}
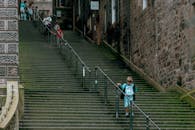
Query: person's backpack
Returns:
{"type": "Point", "coordinates": [134, 90]}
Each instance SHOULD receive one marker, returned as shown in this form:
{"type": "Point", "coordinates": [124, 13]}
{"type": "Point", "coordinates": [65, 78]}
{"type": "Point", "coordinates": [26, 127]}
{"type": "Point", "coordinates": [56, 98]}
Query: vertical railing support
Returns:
{"type": "Point", "coordinates": [96, 80]}
{"type": "Point", "coordinates": [76, 68]}
{"type": "Point", "coordinates": [131, 115]}
{"type": "Point", "coordinates": [83, 76]}
{"type": "Point", "coordinates": [48, 37]}
{"type": "Point", "coordinates": [147, 123]}
{"type": "Point", "coordinates": [117, 103]}
{"type": "Point", "coordinates": [89, 79]}
{"type": "Point", "coordinates": [105, 90]}
{"type": "Point", "coordinates": [70, 57]}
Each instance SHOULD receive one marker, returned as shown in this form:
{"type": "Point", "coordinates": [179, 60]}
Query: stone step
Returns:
{"type": "Point", "coordinates": [87, 117]}
{"type": "Point", "coordinates": [70, 128]}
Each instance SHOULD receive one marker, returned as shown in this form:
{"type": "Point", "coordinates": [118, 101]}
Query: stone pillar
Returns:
{"type": "Point", "coordinates": [8, 41]}
{"type": "Point", "coordinates": [9, 46]}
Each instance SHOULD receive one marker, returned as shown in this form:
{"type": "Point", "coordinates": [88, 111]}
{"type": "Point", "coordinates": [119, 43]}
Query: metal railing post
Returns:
{"type": "Point", "coordinates": [52, 39]}
{"type": "Point", "coordinates": [105, 90]}
{"type": "Point", "coordinates": [131, 115]}
{"type": "Point", "coordinates": [76, 67]}
{"type": "Point", "coordinates": [147, 123]}
{"type": "Point", "coordinates": [117, 103]}
{"type": "Point", "coordinates": [89, 81]}
{"type": "Point", "coordinates": [96, 80]}
{"type": "Point", "coordinates": [70, 55]}
{"type": "Point", "coordinates": [48, 36]}
{"type": "Point", "coordinates": [83, 76]}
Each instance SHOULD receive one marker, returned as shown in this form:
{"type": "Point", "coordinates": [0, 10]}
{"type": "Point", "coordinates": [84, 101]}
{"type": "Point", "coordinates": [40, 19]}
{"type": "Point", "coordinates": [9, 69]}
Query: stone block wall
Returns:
{"type": "Point", "coordinates": [161, 38]}
{"type": "Point", "coordinates": [124, 9]}
{"type": "Point", "coordinates": [9, 48]}
{"type": "Point", "coordinates": [8, 40]}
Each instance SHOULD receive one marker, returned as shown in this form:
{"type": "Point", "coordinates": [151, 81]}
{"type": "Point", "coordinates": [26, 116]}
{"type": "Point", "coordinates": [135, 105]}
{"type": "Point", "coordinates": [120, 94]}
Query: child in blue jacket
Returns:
{"type": "Point", "coordinates": [129, 89]}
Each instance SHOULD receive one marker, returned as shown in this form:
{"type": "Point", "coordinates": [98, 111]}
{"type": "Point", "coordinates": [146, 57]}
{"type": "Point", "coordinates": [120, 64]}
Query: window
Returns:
{"type": "Point", "coordinates": [60, 3]}
{"type": "Point", "coordinates": [144, 5]}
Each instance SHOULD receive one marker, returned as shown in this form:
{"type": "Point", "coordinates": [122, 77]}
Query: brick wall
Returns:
{"type": "Point", "coordinates": [161, 38]}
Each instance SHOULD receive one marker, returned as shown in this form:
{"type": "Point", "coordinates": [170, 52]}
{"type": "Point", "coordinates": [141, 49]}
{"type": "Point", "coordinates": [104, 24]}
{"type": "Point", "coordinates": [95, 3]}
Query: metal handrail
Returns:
{"type": "Point", "coordinates": [97, 67]}
{"type": "Point", "coordinates": [66, 43]}
{"type": "Point", "coordinates": [147, 116]}
{"type": "Point", "coordinates": [116, 86]}
{"type": "Point", "coordinates": [76, 54]}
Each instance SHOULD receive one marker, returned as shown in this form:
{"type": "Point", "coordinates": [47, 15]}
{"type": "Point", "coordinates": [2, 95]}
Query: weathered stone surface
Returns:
{"type": "Point", "coordinates": [8, 36]}
{"type": "Point", "coordinates": [12, 2]}
{"type": "Point", "coordinates": [8, 3]}
{"type": "Point", "coordinates": [2, 82]}
{"type": "Point", "coordinates": [2, 3]}
{"type": "Point", "coordinates": [10, 48]}
{"type": "Point", "coordinates": [161, 38]}
{"type": "Point", "coordinates": [8, 71]}
{"type": "Point", "coordinates": [2, 48]}
{"type": "Point", "coordinates": [8, 59]}
{"type": "Point", "coordinates": [2, 70]}
{"type": "Point", "coordinates": [12, 25]}
{"type": "Point", "coordinates": [125, 24]}
{"type": "Point", "coordinates": [8, 13]}
{"type": "Point", "coordinates": [12, 71]}
{"type": "Point", "coordinates": [2, 25]}
{"type": "Point", "coordinates": [8, 25]}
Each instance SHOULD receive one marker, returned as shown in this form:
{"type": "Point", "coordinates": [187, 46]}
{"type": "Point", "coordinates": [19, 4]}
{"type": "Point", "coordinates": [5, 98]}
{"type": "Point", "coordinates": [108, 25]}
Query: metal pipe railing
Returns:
{"type": "Point", "coordinates": [149, 122]}
{"type": "Point", "coordinates": [83, 68]}
{"type": "Point", "coordinates": [71, 55]}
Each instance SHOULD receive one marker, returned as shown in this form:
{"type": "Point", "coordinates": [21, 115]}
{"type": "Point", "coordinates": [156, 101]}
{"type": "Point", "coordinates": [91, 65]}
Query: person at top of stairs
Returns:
{"type": "Point", "coordinates": [59, 34]}
{"type": "Point", "coordinates": [129, 90]}
{"type": "Point", "coordinates": [47, 21]}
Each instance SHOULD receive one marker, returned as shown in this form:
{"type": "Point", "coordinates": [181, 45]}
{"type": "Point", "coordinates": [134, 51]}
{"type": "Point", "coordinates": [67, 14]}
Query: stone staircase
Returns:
{"type": "Point", "coordinates": [165, 109]}
{"type": "Point", "coordinates": [55, 99]}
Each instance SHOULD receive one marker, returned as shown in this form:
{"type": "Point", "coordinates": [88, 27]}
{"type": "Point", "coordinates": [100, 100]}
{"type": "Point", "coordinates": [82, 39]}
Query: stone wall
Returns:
{"type": "Point", "coordinates": [124, 9]}
{"type": "Point", "coordinates": [158, 39]}
{"type": "Point", "coordinates": [8, 40]}
{"type": "Point", "coordinates": [9, 47]}
{"type": "Point", "coordinates": [161, 37]}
